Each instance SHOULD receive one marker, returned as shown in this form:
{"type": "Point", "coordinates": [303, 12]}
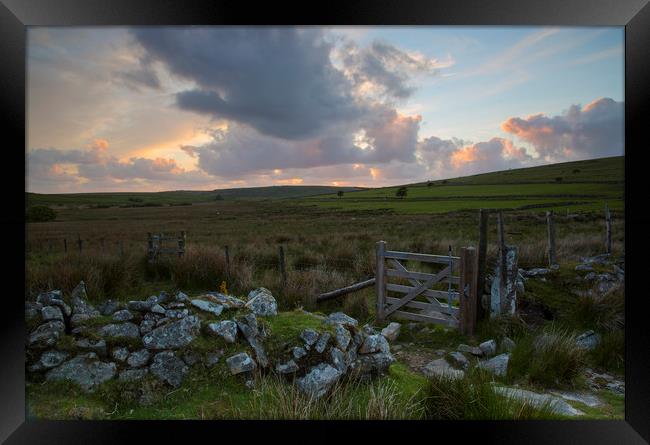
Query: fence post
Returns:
{"type": "Point", "coordinates": [227, 253]}
{"type": "Point", "coordinates": [181, 244]}
{"type": "Point", "coordinates": [502, 246]}
{"type": "Point", "coordinates": [552, 260]}
{"type": "Point", "coordinates": [608, 228]}
{"type": "Point", "coordinates": [380, 281]}
{"type": "Point", "coordinates": [150, 246]}
{"type": "Point", "coordinates": [65, 245]}
{"type": "Point", "coordinates": [468, 295]}
{"type": "Point", "coordinates": [283, 270]}
{"type": "Point", "coordinates": [121, 248]}
{"type": "Point", "coordinates": [80, 243]}
{"type": "Point", "coordinates": [482, 264]}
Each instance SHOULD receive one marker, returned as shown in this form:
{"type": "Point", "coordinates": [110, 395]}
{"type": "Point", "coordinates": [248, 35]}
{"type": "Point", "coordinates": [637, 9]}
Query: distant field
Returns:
{"type": "Point", "coordinates": [180, 197]}
{"type": "Point", "coordinates": [573, 186]}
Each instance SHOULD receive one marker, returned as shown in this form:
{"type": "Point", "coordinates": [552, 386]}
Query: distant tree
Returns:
{"type": "Point", "coordinates": [40, 214]}
{"type": "Point", "coordinates": [558, 179]}
{"type": "Point", "coordinates": [444, 181]}
{"type": "Point", "coordinates": [429, 184]}
{"type": "Point", "coordinates": [339, 193]}
{"type": "Point", "coordinates": [401, 192]}
{"type": "Point", "coordinates": [218, 198]}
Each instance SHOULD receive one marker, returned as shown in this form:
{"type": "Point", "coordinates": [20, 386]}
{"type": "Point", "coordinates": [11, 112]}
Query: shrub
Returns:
{"type": "Point", "coordinates": [40, 214]}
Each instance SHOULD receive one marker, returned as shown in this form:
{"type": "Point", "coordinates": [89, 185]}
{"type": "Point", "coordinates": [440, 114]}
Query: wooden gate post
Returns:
{"type": "Point", "coordinates": [608, 228]}
{"type": "Point", "coordinates": [227, 253]}
{"type": "Point", "coordinates": [468, 294]}
{"type": "Point", "coordinates": [79, 242]}
{"type": "Point", "coordinates": [552, 260]}
{"type": "Point", "coordinates": [380, 282]}
{"type": "Point", "coordinates": [283, 269]}
{"type": "Point", "coordinates": [65, 245]}
{"type": "Point", "coordinates": [482, 264]}
{"type": "Point", "coordinates": [181, 245]}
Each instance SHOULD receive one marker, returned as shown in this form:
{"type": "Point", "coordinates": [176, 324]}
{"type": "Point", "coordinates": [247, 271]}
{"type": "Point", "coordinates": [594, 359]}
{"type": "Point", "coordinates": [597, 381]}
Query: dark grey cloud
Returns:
{"type": "Point", "coordinates": [595, 130]}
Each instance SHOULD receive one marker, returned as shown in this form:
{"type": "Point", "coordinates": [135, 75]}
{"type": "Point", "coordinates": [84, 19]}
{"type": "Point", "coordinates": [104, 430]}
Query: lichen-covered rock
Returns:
{"type": "Point", "coordinates": [240, 363]}
{"type": "Point", "coordinates": [368, 330]}
{"type": "Point", "coordinates": [228, 301]}
{"type": "Point", "coordinates": [120, 354]}
{"type": "Point", "coordinates": [298, 352]}
{"type": "Point", "coordinates": [391, 332]}
{"type": "Point", "coordinates": [176, 313]}
{"type": "Point", "coordinates": [86, 344]}
{"type": "Point", "coordinates": [120, 330]}
{"type": "Point", "coordinates": [249, 328]}
{"type": "Point", "coordinates": [50, 298]}
{"type": "Point", "coordinates": [108, 307]}
{"type": "Point", "coordinates": [337, 359]}
{"type": "Point", "coordinates": [84, 370]}
{"type": "Point", "coordinates": [123, 315]}
{"type": "Point", "coordinates": [458, 360]}
{"type": "Point", "coordinates": [50, 313]}
{"type": "Point", "coordinates": [555, 404]}
{"type": "Point", "coordinates": [261, 302]}
{"type": "Point", "coordinates": [158, 309]}
{"type": "Point", "coordinates": [208, 306]}
{"type": "Point", "coordinates": [33, 311]}
{"type": "Point", "coordinates": [168, 368]}
{"type": "Point", "coordinates": [48, 360]}
{"type": "Point", "coordinates": [489, 348]}
{"type": "Point", "coordinates": [440, 368]}
{"type": "Point", "coordinates": [181, 297]}
{"type": "Point", "coordinates": [322, 342]}
{"type": "Point", "coordinates": [139, 305]}
{"type": "Point", "coordinates": [46, 334]}
{"type": "Point", "coordinates": [377, 363]}
{"type": "Point", "coordinates": [212, 358]}
{"type": "Point", "coordinates": [173, 335]}
{"type": "Point", "coordinates": [319, 380]}
{"type": "Point", "coordinates": [138, 359]}
{"type": "Point", "coordinates": [226, 329]}
{"type": "Point", "coordinates": [507, 344]}
{"type": "Point", "coordinates": [374, 343]}
{"type": "Point", "coordinates": [80, 305]}
{"type": "Point", "coordinates": [310, 337]}
{"type": "Point", "coordinates": [147, 326]}
{"type": "Point", "coordinates": [131, 375]}
{"type": "Point", "coordinates": [289, 367]}
{"type": "Point", "coordinates": [342, 337]}
{"type": "Point", "coordinates": [588, 340]}
{"type": "Point", "coordinates": [474, 350]}
{"type": "Point", "coordinates": [496, 365]}
{"type": "Point", "coordinates": [341, 318]}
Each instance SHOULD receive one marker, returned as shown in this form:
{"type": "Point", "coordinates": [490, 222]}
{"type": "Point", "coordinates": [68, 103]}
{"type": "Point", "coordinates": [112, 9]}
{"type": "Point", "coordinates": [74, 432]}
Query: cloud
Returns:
{"type": "Point", "coordinates": [594, 130]}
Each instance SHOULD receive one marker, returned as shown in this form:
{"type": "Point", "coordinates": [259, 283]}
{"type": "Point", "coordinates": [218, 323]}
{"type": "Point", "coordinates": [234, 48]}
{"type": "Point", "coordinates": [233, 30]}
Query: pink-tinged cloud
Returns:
{"type": "Point", "coordinates": [595, 130]}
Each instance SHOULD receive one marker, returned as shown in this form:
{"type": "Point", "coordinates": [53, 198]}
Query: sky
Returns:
{"type": "Point", "coordinates": [203, 108]}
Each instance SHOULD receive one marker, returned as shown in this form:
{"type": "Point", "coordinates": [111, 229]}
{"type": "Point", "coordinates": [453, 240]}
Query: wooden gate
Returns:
{"type": "Point", "coordinates": [155, 245]}
{"type": "Point", "coordinates": [428, 297]}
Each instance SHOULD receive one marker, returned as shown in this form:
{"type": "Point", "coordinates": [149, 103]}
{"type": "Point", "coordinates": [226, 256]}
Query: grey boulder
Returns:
{"type": "Point", "coordinates": [208, 306]}
{"type": "Point", "coordinates": [84, 370]}
{"type": "Point", "coordinates": [374, 343]}
{"type": "Point", "coordinates": [122, 315]}
{"type": "Point", "coordinates": [458, 360]}
{"type": "Point", "coordinates": [120, 330]}
{"type": "Point", "coordinates": [496, 365]}
{"type": "Point", "coordinates": [286, 368]}
{"type": "Point", "coordinates": [138, 359]}
{"type": "Point", "coordinates": [319, 380]}
{"type": "Point", "coordinates": [261, 302]}
{"type": "Point", "coordinates": [226, 329]}
{"type": "Point", "coordinates": [474, 350]}
{"type": "Point", "coordinates": [341, 318]}
{"type": "Point", "coordinates": [46, 334]}
{"type": "Point", "coordinates": [48, 360]}
{"type": "Point", "coordinates": [377, 363]}
{"type": "Point", "coordinates": [168, 368]}
{"type": "Point", "coordinates": [391, 332]}
{"type": "Point", "coordinates": [50, 313]}
{"type": "Point", "coordinates": [173, 335]}
{"type": "Point", "coordinates": [240, 363]}
{"type": "Point", "coordinates": [588, 340]}
{"type": "Point", "coordinates": [489, 347]}
{"type": "Point", "coordinates": [441, 368]}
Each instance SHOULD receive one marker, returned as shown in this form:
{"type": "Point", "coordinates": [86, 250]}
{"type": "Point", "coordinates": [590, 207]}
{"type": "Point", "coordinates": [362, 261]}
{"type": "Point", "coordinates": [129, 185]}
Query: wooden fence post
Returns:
{"type": "Point", "coordinates": [502, 246]}
{"type": "Point", "coordinates": [552, 260]}
{"type": "Point", "coordinates": [227, 253]}
{"type": "Point", "coordinates": [482, 264]}
{"type": "Point", "coordinates": [65, 245]}
{"type": "Point", "coordinates": [181, 245]}
{"type": "Point", "coordinates": [80, 243]}
{"type": "Point", "coordinates": [121, 248]}
{"type": "Point", "coordinates": [380, 281]}
{"type": "Point", "coordinates": [608, 228]}
{"type": "Point", "coordinates": [468, 295]}
{"type": "Point", "coordinates": [283, 270]}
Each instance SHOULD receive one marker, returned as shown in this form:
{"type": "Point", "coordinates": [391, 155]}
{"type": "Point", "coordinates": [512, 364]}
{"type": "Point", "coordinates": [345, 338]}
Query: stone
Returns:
{"type": "Point", "coordinates": [289, 367]}
{"type": "Point", "coordinates": [298, 352]}
{"type": "Point", "coordinates": [584, 267]}
{"type": "Point", "coordinates": [603, 259]}
{"type": "Point", "coordinates": [181, 297]}
{"type": "Point", "coordinates": [377, 363]}
{"type": "Point", "coordinates": [458, 360]}
{"type": "Point", "coordinates": [212, 358]}
{"type": "Point", "coordinates": [503, 295]}
{"type": "Point", "coordinates": [342, 337]}
{"type": "Point", "coordinates": [351, 356]}
{"type": "Point", "coordinates": [474, 350]}
{"type": "Point", "coordinates": [158, 309]}
{"type": "Point", "coordinates": [261, 302]}
{"type": "Point", "coordinates": [98, 347]}
{"type": "Point", "coordinates": [341, 318]}
{"type": "Point", "coordinates": [496, 365]}
{"type": "Point", "coordinates": [84, 370]}
{"type": "Point", "coordinates": [139, 306]}
{"type": "Point", "coordinates": [50, 313]}
{"type": "Point", "coordinates": [337, 359]}
{"type": "Point", "coordinates": [226, 329]}
{"type": "Point", "coordinates": [318, 380]}
{"type": "Point", "coordinates": [120, 354]}
{"type": "Point", "coordinates": [391, 332]}
{"type": "Point", "coordinates": [173, 335]}
{"type": "Point", "coordinates": [248, 327]}
{"type": "Point", "coordinates": [168, 368]}
{"type": "Point", "coordinates": [228, 301]}
{"type": "Point", "coordinates": [108, 307]}
{"type": "Point", "coordinates": [120, 330]}
{"type": "Point", "coordinates": [507, 344]}
{"type": "Point", "coordinates": [132, 375]}
{"type": "Point", "coordinates": [309, 336]}
{"type": "Point", "coordinates": [163, 297]}
{"type": "Point", "coordinates": [208, 306]}
{"type": "Point", "coordinates": [33, 311]}
{"type": "Point", "coordinates": [122, 315]}
{"type": "Point", "coordinates": [240, 363]}
{"type": "Point", "coordinates": [80, 304]}
{"type": "Point", "coordinates": [590, 276]}
{"type": "Point", "coordinates": [147, 326]}
{"type": "Point", "coordinates": [441, 368]}
{"type": "Point", "coordinates": [191, 358]}
{"type": "Point", "coordinates": [46, 334]}
{"type": "Point", "coordinates": [322, 342]}
{"type": "Point", "coordinates": [368, 330]}
{"type": "Point", "coordinates": [175, 313]}
{"type": "Point", "coordinates": [535, 272]}
{"type": "Point", "coordinates": [138, 359]}
{"type": "Point", "coordinates": [489, 348]}
{"type": "Point", "coordinates": [80, 319]}
{"type": "Point", "coordinates": [588, 340]}
{"type": "Point", "coordinates": [50, 298]}
{"type": "Point", "coordinates": [584, 398]}
{"type": "Point", "coordinates": [556, 404]}
{"type": "Point", "coordinates": [250, 384]}
{"type": "Point", "coordinates": [48, 360]}
{"type": "Point", "coordinates": [374, 343]}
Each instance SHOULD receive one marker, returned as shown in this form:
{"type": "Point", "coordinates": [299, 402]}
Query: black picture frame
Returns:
{"type": "Point", "coordinates": [16, 15]}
